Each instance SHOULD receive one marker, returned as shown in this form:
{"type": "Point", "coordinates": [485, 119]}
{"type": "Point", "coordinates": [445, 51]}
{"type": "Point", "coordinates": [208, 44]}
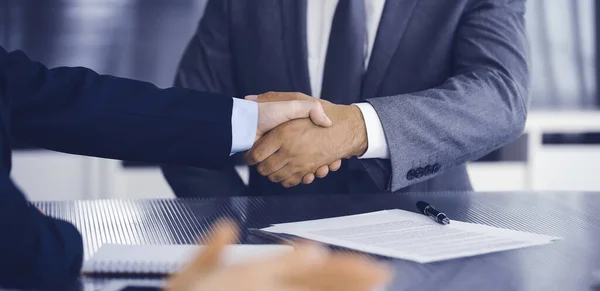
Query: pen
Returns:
{"type": "Point", "coordinates": [430, 211]}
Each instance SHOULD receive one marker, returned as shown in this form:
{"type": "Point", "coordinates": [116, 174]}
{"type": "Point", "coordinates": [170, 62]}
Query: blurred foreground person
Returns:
{"type": "Point", "coordinates": [308, 268]}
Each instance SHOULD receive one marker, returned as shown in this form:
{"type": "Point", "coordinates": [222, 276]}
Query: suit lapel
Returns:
{"type": "Point", "coordinates": [294, 42]}
{"type": "Point", "coordinates": [394, 21]}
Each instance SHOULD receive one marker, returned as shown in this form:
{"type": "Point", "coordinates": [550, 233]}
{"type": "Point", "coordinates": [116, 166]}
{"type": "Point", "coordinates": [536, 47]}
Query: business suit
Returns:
{"type": "Point", "coordinates": [448, 79]}
{"type": "Point", "coordinates": [77, 111]}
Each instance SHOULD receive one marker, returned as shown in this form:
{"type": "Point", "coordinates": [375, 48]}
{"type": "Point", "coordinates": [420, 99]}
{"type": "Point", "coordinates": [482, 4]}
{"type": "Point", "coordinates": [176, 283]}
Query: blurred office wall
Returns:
{"type": "Point", "coordinates": [141, 39]}
{"type": "Point", "coordinates": [563, 53]}
{"type": "Point", "coordinates": [144, 39]}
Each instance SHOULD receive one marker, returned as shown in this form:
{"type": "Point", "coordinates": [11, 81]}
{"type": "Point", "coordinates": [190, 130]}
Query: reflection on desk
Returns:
{"type": "Point", "coordinates": [565, 265]}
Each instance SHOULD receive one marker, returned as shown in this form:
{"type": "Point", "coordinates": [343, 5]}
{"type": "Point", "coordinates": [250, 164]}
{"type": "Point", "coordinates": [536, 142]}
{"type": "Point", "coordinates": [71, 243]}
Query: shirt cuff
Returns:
{"type": "Point", "coordinates": [244, 122]}
{"type": "Point", "coordinates": [377, 147]}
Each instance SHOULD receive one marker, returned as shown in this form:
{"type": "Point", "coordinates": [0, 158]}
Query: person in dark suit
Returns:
{"type": "Point", "coordinates": [78, 111]}
{"type": "Point", "coordinates": [438, 83]}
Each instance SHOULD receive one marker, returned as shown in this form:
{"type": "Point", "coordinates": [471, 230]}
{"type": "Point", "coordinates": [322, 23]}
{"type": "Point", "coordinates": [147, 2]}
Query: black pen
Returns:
{"type": "Point", "coordinates": [430, 211]}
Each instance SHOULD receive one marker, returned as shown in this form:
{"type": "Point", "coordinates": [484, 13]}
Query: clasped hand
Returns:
{"type": "Point", "coordinates": [300, 149]}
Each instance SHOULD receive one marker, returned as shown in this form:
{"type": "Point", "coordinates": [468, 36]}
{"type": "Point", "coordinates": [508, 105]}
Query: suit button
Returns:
{"type": "Point", "coordinates": [428, 170]}
{"type": "Point", "coordinates": [436, 168]}
{"type": "Point", "coordinates": [419, 173]}
{"type": "Point", "coordinates": [410, 175]}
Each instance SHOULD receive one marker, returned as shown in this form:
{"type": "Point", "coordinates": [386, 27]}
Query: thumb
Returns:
{"type": "Point", "coordinates": [312, 109]}
{"type": "Point", "coordinates": [224, 233]}
{"type": "Point", "coordinates": [272, 114]}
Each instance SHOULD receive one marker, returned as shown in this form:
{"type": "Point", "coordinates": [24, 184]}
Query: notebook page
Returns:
{"type": "Point", "coordinates": [166, 259]}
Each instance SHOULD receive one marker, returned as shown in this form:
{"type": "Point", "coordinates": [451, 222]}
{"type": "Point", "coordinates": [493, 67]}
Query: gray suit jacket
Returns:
{"type": "Point", "coordinates": [448, 79]}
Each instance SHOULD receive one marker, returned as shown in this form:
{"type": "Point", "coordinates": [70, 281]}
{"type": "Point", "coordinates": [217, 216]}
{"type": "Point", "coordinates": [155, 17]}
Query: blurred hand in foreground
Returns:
{"type": "Point", "coordinates": [307, 268]}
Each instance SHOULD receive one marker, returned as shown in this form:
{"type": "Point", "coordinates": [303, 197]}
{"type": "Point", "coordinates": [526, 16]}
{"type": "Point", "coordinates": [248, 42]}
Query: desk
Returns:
{"type": "Point", "coordinates": [564, 265]}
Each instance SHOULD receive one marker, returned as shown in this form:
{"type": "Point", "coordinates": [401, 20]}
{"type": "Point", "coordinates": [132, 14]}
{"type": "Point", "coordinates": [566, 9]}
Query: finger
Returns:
{"type": "Point", "coordinates": [365, 274]}
{"type": "Point", "coordinates": [292, 181]}
{"type": "Point", "coordinates": [282, 174]}
{"type": "Point", "coordinates": [317, 113]}
{"type": "Point", "coordinates": [304, 257]}
{"type": "Point", "coordinates": [272, 164]}
{"type": "Point", "coordinates": [224, 232]}
{"type": "Point", "coordinates": [262, 149]}
{"type": "Point", "coordinates": [308, 178]}
{"type": "Point", "coordinates": [335, 165]}
{"type": "Point", "coordinates": [322, 171]}
{"type": "Point", "coordinates": [345, 272]}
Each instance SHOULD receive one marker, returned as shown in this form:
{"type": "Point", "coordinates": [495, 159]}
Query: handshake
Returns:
{"type": "Point", "coordinates": [306, 138]}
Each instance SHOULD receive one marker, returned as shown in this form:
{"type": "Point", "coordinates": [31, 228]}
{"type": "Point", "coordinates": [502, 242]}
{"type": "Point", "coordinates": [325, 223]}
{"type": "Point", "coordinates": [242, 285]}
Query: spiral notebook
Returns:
{"type": "Point", "coordinates": [115, 259]}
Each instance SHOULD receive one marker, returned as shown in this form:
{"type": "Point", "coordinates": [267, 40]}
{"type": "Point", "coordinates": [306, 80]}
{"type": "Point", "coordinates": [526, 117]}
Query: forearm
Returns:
{"type": "Point", "coordinates": [481, 106]}
{"type": "Point", "coordinates": [349, 132]}
{"type": "Point", "coordinates": [464, 119]}
{"type": "Point", "coordinates": [78, 111]}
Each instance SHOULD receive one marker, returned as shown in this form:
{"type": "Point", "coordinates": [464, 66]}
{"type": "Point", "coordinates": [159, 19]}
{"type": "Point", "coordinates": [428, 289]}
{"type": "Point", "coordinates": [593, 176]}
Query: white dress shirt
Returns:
{"type": "Point", "coordinates": [244, 117]}
{"type": "Point", "coordinates": [319, 14]}
{"type": "Point", "coordinates": [244, 123]}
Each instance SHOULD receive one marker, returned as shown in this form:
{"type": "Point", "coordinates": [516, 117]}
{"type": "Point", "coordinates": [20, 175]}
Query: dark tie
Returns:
{"type": "Point", "coordinates": [344, 63]}
{"type": "Point", "coordinates": [342, 75]}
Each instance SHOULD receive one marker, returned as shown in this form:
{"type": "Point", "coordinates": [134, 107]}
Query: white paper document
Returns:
{"type": "Point", "coordinates": [410, 236]}
{"type": "Point", "coordinates": [167, 259]}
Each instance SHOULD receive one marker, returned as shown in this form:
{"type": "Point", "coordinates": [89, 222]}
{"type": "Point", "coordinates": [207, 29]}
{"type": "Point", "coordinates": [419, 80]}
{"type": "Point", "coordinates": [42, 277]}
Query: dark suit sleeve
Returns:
{"type": "Point", "coordinates": [36, 251]}
{"type": "Point", "coordinates": [76, 110]}
{"type": "Point", "coordinates": [480, 108]}
{"type": "Point", "coordinates": [206, 65]}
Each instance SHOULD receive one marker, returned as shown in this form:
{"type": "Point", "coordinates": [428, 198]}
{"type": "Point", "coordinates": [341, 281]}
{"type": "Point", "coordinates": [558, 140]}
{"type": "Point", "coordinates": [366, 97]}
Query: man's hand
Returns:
{"type": "Point", "coordinates": [297, 148]}
{"type": "Point", "coordinates": [308, 268]}
{"type": "Point", "coordinates": [272, 114]}
{"type": "Point", "coordinates": [277, 97]}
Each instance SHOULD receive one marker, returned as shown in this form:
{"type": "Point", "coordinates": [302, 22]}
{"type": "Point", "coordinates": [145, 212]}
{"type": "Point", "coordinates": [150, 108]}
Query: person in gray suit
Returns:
{"type": "Point", "coordinates": [437, 83]}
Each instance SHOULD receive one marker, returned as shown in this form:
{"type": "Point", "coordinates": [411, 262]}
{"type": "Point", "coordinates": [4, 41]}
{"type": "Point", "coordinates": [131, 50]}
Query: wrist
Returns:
{"type": "Point", "coordinates": [359, 132]}
{"type": "Point", "coordinates": [349, 122]}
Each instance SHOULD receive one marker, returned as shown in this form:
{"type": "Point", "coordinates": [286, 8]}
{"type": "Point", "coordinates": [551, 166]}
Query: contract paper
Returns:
{"type": "Point", "coordinates": [410, 236]}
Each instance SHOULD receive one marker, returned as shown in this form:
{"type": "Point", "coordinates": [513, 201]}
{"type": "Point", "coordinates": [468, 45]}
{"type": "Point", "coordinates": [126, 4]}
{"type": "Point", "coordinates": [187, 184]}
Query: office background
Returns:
{"type": "Point", "coordinates": [144, 39]}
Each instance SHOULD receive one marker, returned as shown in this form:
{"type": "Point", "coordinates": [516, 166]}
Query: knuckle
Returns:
{"type": "Point", "coordinates": [261, 169]}
{"type": "Point", "coordinates": [308, 179]}
{"type": "Point", "coordinates": [295, 168]}
{"type": "Point", "coordinates": [251, 156]}
{"type": "Point", "coordinates": [291, 182]}
{"type": "Point", "coordinates": [279, 176]}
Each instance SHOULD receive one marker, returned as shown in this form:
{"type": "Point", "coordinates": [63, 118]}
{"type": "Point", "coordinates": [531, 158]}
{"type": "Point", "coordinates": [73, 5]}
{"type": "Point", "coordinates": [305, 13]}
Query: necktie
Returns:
{"type": "Point", "coordinates": [344, 63]}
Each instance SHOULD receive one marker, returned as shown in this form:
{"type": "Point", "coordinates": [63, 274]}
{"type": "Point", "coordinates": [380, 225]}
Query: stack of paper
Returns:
{"type": "Point", "coordinates": [410, 236]}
